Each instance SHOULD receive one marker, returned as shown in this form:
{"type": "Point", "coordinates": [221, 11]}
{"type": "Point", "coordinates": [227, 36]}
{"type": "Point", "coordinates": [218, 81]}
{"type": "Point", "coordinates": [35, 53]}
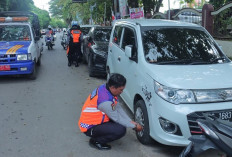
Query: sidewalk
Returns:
{"type": "Point", "coordinates": [226, 47]}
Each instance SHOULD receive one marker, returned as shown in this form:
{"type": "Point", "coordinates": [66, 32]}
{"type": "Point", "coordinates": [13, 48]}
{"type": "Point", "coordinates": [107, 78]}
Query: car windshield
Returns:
{"type": "Point", "coordinates": [102, 34]}
{"type": "Point", "coordinates": [180, 45]}
{"type": "Point", "coordinates": [15, 33]}
{"type": "Point", "coordinates": [85, 30]}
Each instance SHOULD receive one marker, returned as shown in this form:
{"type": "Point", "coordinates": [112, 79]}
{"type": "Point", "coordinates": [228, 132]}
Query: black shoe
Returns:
{"type": "Point", "coordinates": [76, 65]}
{"type": "Point", "coordinates": [98, 145]}
{"type": "Point", "coordinates": [69, 64]}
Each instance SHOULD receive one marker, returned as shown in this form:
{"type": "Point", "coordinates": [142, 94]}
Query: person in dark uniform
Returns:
{"type": "Point", "coordinates": [102, 117]}
{"type": "Point", "coordinates": [74, 40]}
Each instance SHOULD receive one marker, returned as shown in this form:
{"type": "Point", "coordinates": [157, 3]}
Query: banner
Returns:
{"type": "Point", "coordinates": [136, 13]}
{"type": "Point", "coordinates": [123, 7]}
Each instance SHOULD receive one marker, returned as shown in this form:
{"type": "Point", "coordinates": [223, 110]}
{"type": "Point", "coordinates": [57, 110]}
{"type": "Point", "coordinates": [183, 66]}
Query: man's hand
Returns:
{"type": "Point", "coordinates": [138, 127]}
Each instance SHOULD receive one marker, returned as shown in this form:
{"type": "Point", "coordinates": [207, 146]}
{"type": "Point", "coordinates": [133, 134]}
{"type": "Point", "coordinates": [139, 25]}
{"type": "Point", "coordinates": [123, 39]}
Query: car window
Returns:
{"type": "Point", "coordinates": [85, 30]}
{"type": "Point", "coordinates": [175, 44]}
{"type": "Point", "coordinates": [15, 33]}
{"type": "Point", "coordinates": [102, 34]}
{"type": "Point", "coordinates": [117, 35]}
{"type": "Point", "coordinates": [129, 38]}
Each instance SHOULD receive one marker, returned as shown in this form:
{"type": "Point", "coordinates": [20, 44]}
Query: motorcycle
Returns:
{"type": "Point", "coordinates": [64, 42]}
{"type": "Point", "coordinates": [217, 134]}
{"type": "Point", "coordinates": [49, 42]}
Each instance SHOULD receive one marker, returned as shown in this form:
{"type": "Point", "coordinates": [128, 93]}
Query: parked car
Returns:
{"type": "Point", "coordinates": [85, 30]}
{"type": "Point", "coordinates": [175, 71]}
{"type": "Point", "coordinates": [95, 48]}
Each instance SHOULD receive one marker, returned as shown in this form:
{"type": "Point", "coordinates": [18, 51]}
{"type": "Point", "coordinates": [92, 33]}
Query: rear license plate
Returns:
{"type": "Point", "coordinates": [226, 115]}
{"type": "Point", "coordinates": [4, 67]}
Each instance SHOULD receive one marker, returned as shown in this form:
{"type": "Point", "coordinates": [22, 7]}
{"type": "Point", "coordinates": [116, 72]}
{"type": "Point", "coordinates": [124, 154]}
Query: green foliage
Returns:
{"type": "Point", "coordinates": [218, 3]}
{"type": "Point", "coordinates": [16, 5]}
{"type": "Point", "coordinates": [43, 15]}
{"type": "Point", "coordinates": [223, 20]}
{"type": "Point", "coordinates": [57, 23]}
{"type": "Point", "coordinates": [55, 8]}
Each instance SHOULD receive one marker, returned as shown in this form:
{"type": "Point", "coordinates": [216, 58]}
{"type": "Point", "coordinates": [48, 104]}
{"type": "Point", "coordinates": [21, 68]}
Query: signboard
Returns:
{"type": "Point", "coordinates": [79, 1]}
{"type": "Point", "coordinates": [123, 8]}
{"type": "Point", "coordinates": [136, 13]}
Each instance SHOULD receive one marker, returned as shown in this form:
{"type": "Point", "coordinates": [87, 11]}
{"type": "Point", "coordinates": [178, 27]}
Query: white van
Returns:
{"type": "Point", "coordinates": [175, 72]}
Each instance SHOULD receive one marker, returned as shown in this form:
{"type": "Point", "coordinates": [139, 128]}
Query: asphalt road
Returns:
{"type": "Point", "coordinates": [38, 118]}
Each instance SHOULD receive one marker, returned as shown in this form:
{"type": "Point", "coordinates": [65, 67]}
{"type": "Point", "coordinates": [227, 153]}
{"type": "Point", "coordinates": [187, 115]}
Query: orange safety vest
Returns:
{"type": "Point", "coordinates": [90, 114]}
{"type": "Point", "coordinates": [76, 35]}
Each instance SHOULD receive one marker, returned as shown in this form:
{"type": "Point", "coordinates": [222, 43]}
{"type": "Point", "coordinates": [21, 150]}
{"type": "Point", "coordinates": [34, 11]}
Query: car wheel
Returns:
{"type": "Point", "coordinates": [32, 76]}
{"type": "Point", "coordinates": [39, 61]}
{"type": "Point", "coordinates": [141, 117]}
{"type": "Point", "coordinates": [91, 73]}
{"type": "Point", "coordinates": [108, 74]}
{"type": "Point", "coordinates": [84, 57]}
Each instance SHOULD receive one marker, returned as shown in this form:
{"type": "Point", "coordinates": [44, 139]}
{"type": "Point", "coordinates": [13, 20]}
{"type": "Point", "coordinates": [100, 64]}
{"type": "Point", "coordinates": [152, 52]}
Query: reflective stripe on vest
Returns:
{"type": "Point", "coordinates": [90, 115]}
{"type": "Point", "coordinates": [76, 35]}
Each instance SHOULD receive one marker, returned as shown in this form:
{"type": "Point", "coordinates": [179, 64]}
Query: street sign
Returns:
{"type": "Point", "coordinates": [79, 1]}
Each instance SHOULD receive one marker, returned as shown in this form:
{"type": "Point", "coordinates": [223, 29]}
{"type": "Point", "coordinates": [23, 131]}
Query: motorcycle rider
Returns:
{"type": "Point", "coordinates": [50, 33]}
{"type": "Point", "coordinates": [74, 39]}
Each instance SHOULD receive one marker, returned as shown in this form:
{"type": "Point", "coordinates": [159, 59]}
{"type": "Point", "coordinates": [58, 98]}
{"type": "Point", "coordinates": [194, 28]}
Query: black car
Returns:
{"type": "Point", "coordinates": [95, 49]}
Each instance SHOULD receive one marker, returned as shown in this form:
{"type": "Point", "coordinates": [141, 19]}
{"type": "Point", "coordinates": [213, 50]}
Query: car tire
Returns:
{"type": "Point", "coordinates": [141, 117]}
{"type": "Point", "coordinates": [32, 76]}
{"type": "Point", "coordinates": [108, 74]}
{"type": "Point", "coordinates": [39, 61]}
{"type": "Point", "coordinates": [91, 73]}
{"type": "Point", "coordinates": [84, 57]}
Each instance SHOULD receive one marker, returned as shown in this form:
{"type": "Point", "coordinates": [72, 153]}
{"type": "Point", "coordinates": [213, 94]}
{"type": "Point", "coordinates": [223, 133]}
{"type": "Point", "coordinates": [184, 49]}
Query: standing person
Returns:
{"type": "Point", "coordinates": [74, 43]}
{"type": "Point", "coordinates": [102, 118]}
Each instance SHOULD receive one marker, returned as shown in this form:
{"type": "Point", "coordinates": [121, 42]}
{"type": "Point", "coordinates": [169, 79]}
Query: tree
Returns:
{"type": "Point", "coordinates": [55, 8]}
{"type": "Point", "coordinates": [43, 15]}
{"type": "Point", "coordinates": [16, 5]}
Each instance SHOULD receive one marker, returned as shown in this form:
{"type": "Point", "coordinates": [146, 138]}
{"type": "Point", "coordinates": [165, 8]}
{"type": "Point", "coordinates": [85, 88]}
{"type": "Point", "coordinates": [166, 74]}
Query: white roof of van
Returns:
{"type": "Point", "coordinates": [156, 22]}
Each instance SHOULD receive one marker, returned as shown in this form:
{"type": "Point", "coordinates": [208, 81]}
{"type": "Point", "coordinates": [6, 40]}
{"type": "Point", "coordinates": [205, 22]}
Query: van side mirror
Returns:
{"type": "Point", "coordinates": [128, 51]}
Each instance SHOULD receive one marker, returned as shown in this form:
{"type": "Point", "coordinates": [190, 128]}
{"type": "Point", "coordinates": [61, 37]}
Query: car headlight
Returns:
{"type": "Point", "coordinates": [173, 95]}
{"type": "Point", "coordinates": [213, 95]}
{"type": "Point", "coordinates": [22, 57]}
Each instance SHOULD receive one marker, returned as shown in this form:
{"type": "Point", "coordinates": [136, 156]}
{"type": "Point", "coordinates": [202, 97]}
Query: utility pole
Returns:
{"type": "Point", "coordinates": [105, 15]}
{"type": "Point", "coordinates": [115, 7]}
{"type": "Point", "coordinates": [169, 9]}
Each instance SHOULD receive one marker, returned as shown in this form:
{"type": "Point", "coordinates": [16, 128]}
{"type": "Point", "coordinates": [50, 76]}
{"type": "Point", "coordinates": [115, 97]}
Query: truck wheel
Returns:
{"type": "Point", "coordinates": [32, 76]}
{"type": "Point", "coordinates": [141, 117]}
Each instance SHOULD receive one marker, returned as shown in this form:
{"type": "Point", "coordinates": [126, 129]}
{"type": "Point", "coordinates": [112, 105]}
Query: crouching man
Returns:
{"type": "Point", "coordinates": [102, 118]}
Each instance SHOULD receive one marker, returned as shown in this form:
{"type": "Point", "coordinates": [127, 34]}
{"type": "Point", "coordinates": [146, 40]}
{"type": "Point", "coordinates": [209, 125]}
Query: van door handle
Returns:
{"type": "Point", "coordinates": [119, 58]}
{"type": "Point", "coordinates": [110, 50]}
